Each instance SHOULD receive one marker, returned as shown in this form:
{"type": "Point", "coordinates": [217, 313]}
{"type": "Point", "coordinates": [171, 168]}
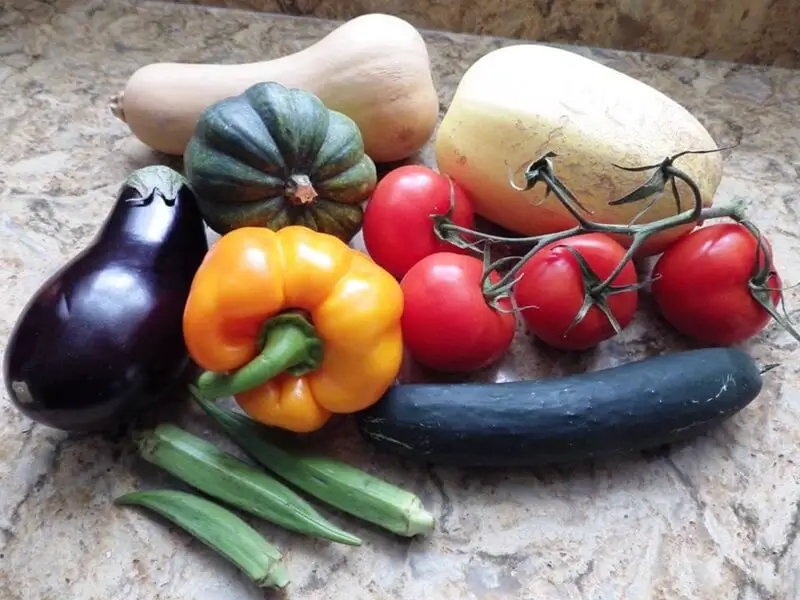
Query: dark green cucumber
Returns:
{"type": "Point", "coordinates": [637, 406]}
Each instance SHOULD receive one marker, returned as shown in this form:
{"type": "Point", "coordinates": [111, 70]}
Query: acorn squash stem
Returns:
{"type": "Point", "coordinates": [299, 190]}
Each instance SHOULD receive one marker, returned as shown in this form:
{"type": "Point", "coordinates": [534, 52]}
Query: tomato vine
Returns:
{"type": "Point", "coordinates": [541, 172]}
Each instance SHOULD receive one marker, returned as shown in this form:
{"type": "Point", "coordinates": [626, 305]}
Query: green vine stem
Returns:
{"type": "Point", "coordinates": [541, 170]}
{"type": "Point", "coordinates": [596, 291]}
{"type": "Point", "coordinates": [665, 173]}
{"type": "Point", "coordinates": [638, 233]}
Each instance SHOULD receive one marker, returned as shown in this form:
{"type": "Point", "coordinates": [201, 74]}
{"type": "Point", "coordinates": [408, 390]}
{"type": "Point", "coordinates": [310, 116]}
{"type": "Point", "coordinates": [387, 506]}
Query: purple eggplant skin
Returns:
{"type": "Point", "coordinates": [102, 338]}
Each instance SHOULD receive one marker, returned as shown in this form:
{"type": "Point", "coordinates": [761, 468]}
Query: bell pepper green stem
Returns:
{"type": "Point", "coordinates": [289, 343]}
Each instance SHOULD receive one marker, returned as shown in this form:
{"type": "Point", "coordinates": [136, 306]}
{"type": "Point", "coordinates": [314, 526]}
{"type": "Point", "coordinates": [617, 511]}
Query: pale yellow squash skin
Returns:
{"type": "Point", "coordinates": [374, 68]}
{"type": "Point", "coordinates": [518, 102]}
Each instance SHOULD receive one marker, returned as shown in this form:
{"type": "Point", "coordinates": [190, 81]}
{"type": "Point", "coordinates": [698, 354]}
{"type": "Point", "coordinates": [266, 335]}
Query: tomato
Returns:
{"type": "Point", "coordinates": [398, 229]}
{"type": "Point", "coordinates": [447, 323]}
{"type": "Point", "coordinates": [552, 289]}
{"type": "Point", "coordinates": [701, 285]}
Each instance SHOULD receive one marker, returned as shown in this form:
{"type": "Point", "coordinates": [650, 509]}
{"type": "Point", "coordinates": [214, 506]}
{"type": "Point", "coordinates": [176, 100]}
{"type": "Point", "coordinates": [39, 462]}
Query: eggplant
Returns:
{"type": "Point", "coordinates": [102, 338]}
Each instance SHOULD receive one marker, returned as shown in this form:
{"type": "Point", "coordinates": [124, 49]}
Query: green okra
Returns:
{"type": "Point", "coordinates": [343, 486]}
{"type": "Point", "coordinates": [223, 476]}
{"type": "Point", "coordinates": [219, 529]}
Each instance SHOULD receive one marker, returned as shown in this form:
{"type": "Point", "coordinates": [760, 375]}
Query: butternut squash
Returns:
{"type": "Point", "coordinates": [517, 103]}
{"type": "Point", "coordinates": [374, 68]}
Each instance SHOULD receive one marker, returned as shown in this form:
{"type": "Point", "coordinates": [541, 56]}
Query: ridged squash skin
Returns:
{"type": "Point", "coordinates": [273, 157]}
{"type": "Point", "coordinates": [516, 103]}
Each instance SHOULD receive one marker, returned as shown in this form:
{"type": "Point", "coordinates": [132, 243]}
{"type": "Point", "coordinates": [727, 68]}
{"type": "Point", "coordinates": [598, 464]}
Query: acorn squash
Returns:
{"type": "Point", "coordinates": [273, 157]}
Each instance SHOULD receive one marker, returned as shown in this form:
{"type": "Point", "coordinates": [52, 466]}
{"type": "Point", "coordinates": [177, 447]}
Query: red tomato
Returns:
{"type": "Point", "coordinates": [701, 285]}
{"type": "Point", "coordinates": [552, 289]}
{"type": "Point", "coordinates": [447, 323]}
{"type": "Point", "coordinates": [398, 230]}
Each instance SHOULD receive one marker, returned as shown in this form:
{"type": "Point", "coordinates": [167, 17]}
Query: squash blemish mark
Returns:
{"type": "Point", "coordinates": [405, 133]}
{"type": "Point", "coordinates": [729, 380]}
{"type": "Point", "coordinates": [391, 440]}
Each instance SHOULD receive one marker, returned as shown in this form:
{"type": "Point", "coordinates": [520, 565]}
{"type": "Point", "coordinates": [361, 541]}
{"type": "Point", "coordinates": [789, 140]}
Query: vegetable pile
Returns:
{"type": "Point", "coordinates": [546, 201]}
{"type": "Point", "coordinates": [578, 287]}
{"type": "Point", "coordinates": [254, 490]}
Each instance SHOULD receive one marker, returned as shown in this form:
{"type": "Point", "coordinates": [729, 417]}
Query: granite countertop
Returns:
{"type": "Point", "coordinates": [717, 519]}
{"type": "Point", "coordinates": [753, 31]}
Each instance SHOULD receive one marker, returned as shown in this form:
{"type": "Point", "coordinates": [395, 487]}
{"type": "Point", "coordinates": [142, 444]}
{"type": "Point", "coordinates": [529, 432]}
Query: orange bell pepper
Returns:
{"type": "Point", "coordinates": [245, 324]}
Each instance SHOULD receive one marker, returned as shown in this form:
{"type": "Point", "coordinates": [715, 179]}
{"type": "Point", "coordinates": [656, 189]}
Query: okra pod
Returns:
{"type": "Point", "coordinates": [338, 484]}
{"type": "Point", "coordinates": [223, 476]}
{"type": "Point", "coordinates": [219, 529]}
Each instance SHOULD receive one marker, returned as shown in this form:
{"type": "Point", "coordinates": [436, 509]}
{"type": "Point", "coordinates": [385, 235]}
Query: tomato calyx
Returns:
{"type": "Point", "coordinates": [596, 292]}
{"type": "Point", "coordinates": [759, 283]}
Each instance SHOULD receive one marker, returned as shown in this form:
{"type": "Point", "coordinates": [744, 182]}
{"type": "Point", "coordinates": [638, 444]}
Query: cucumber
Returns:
{"type": "Point", "coordinates": [621, 410]}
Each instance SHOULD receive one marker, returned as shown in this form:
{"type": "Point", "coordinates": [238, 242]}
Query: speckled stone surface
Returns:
{"type": "Point", "coordinates": [752, 31]}
{"type": "Point", "coordinates": [717, 519]}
